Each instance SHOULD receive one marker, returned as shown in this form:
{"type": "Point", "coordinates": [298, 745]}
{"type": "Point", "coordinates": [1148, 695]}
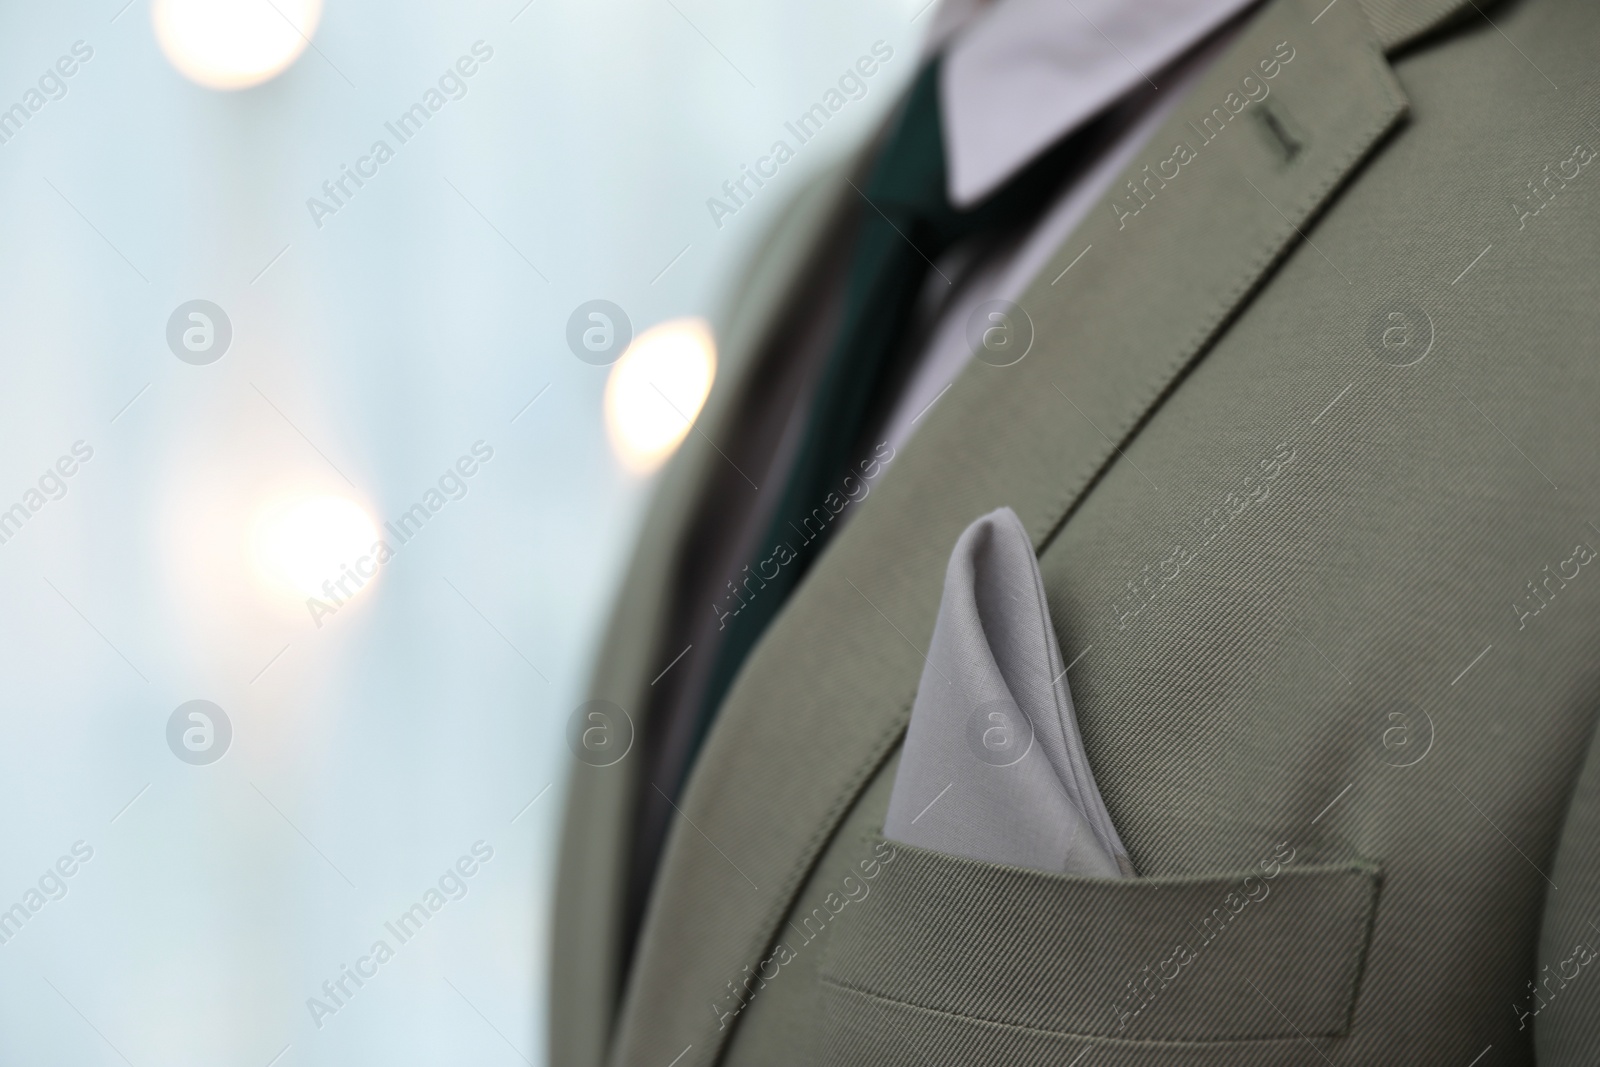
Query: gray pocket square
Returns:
{"type": "Point", "coordinates": [993, 768]}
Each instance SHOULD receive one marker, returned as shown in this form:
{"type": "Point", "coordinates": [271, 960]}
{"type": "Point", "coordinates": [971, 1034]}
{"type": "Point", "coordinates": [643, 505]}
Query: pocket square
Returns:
{"type": "Point", "coordinates": [993, 768]}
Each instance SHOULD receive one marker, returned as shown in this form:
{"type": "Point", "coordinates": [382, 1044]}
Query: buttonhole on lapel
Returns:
{"type": "Point", "coordinates": [1283, 135]}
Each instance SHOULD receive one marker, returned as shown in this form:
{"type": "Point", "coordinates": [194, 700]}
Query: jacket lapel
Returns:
{"type": "Point", "coordinates": [1129, 303]}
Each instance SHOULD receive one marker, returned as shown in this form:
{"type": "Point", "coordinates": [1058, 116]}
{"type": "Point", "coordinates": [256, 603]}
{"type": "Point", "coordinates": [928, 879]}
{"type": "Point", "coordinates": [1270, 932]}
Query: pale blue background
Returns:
{"type": "Point", "coordinates": [402, 331]}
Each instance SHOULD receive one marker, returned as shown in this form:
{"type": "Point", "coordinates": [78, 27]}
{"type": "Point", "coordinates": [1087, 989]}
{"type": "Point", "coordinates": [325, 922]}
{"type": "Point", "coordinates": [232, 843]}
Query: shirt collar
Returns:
{"type": "Point", "coordinates": [1019, 74]}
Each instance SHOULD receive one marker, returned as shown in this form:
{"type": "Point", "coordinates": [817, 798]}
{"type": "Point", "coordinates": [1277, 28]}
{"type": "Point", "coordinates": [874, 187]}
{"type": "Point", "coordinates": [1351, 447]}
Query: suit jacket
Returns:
{"type": "Point", "coordinates": [1306, 446]}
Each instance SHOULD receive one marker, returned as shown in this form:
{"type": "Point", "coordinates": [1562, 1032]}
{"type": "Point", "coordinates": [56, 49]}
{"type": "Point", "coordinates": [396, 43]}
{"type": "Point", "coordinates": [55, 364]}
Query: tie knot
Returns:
{"type": "Point", "coordinates": [908, 179]}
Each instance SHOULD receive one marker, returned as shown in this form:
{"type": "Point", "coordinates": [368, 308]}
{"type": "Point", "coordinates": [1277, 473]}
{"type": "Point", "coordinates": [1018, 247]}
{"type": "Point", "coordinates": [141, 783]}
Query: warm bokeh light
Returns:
{"type": "Point", "coordinates": [234, 44]}
{"type": "Point", "coordinates": [302, 543]}
{"type": "Point", "coordinates": [657, 389]}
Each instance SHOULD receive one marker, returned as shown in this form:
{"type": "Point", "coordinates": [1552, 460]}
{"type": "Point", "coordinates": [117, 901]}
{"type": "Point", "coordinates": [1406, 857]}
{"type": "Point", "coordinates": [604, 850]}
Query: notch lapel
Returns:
{"type": "Point", "coordinates": [825, 696]}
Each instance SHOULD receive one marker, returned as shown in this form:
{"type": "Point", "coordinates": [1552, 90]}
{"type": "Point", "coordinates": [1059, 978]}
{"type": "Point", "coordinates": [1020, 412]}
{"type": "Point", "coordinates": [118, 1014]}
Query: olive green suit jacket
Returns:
{"type": "Point", "coordinates": [1306, 445]}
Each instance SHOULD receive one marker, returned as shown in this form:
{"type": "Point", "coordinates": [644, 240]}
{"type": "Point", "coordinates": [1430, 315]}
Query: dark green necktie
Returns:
{"type": "Point", "coordinates": [906, 224]}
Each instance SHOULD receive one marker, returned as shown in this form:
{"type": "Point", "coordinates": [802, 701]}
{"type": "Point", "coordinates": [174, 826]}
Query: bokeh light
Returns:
{"type": "Point", "coordinates": [234, 44]}
{"type": "Point", "coordinates": [657, 389]}
{"type": "Point", "coordinates": [301, 543]}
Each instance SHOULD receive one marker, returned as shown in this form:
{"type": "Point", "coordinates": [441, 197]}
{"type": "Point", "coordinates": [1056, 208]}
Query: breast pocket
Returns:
{"type": "Point", "coordinates": [955, 961]}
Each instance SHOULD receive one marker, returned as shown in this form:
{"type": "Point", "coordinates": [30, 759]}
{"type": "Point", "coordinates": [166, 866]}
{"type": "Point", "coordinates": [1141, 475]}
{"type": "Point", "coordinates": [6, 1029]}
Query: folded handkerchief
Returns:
{"type": "Point", "coordinates": [993, 768]}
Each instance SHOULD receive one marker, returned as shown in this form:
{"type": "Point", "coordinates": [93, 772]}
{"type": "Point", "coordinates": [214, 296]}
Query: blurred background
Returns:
{"type": "Point", "coordinates": [237, 741]}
